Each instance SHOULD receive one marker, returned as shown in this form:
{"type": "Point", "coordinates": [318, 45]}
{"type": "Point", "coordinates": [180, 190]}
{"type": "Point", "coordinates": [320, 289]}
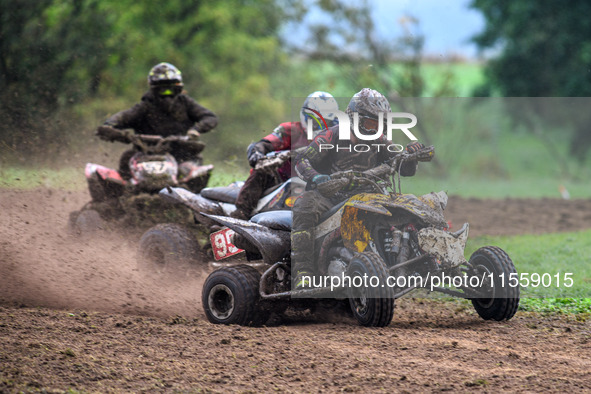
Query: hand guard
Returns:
{"type": "Point", "coordinates": [414, 147]}
{"type": "Point", "coordinates": [193, 134]}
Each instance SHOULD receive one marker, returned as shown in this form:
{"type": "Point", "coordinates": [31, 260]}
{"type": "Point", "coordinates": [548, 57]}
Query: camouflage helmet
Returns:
{"type": "Point", "coordinates": [368, 103]}
{"type": "Point", "coordinates": [165, 74]}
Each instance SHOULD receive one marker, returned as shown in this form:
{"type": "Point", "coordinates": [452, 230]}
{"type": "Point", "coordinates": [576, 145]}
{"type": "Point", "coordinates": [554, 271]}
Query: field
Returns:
{"type": "Point", "coordinates": [77, 315]}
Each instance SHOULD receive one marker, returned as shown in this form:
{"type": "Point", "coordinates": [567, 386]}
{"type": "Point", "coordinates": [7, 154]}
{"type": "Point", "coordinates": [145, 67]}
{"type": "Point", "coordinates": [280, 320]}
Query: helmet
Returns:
{"type": "Point", "coordinates": [165, 79]}
{"type": "Point", "coordinates": [323, 103]}
{"type": "Point", "coordinates": [368, 103]}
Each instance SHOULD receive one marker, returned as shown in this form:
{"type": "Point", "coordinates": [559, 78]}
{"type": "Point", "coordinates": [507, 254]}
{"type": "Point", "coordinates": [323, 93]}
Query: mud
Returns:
{"type": "Point", "coordinates": [76, 313]}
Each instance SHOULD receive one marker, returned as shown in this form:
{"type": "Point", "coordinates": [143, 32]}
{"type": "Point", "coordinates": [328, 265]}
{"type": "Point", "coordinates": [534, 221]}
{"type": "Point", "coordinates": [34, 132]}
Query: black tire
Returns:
{"type": "Point", "coordinates": [371, 305]}
{"type": "Point", "coordinates": [500, 302]}
{"type": "Point", "coordinates": [87, 222]}
{"type": "Point", "coordinates": [169, 249]}
{"type": "Point", "coordinates": [96, 190]}
{"type": "Point", "coordinates": [231, 296]}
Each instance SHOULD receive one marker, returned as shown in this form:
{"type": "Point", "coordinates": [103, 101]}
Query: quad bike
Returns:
{"type": "Point", "coordinates": [170, 247]}
{"type": "Point", "coordinates": [398, 242]}
{"type": "Point", "coordinates": [152, 167]}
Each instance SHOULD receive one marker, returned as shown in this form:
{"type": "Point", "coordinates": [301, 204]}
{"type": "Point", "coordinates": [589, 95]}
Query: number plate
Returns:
{"type": "Point", "coordinates": [222, 245]}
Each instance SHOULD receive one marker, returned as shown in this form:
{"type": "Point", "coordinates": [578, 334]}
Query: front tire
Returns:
{"type": "Point", "coordinates": [498, 302]}
{"type": "Point", "coordinates": [169, 249]}
{"type": "Point", "coordinates": [373, 303]}
{"type": "Point", "coordinates": [231, 296]}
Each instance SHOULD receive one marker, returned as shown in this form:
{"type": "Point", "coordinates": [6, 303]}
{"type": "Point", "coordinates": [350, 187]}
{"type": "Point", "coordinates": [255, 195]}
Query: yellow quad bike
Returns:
{"type": "Point", "coordinates": [371, 248]}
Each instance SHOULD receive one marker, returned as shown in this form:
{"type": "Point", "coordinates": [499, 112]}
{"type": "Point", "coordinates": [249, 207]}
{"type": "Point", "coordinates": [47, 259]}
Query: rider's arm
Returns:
{"type": "Point", "coordinates": [127, 119]}
{"type": "Point", "coordinates": [204, 119]}
{"type": "Point", "coordinates": [309, 160]}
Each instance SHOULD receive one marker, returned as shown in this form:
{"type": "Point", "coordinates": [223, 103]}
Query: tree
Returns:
{"type": "Point", "coordinates": [545, 50]}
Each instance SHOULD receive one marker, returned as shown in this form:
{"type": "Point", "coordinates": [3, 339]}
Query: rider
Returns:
{"type": "Point", "coordinates": [288, 135]}
{"type": "Point", "coordinates": [164, 110]}
{"type": "Point", "coordinates": [315, 164]}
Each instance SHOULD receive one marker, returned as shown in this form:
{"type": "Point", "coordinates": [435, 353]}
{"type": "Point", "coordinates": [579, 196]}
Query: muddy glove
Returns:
{"type": "Point", "coordinates": [253, 155]}
{"type": "Point", "coordinates": [108, 133]}
{"type": "Point", "coordinates": [414, 147]}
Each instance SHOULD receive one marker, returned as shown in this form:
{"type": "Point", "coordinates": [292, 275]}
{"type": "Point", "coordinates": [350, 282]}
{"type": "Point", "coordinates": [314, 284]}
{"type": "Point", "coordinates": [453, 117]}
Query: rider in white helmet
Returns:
{"type": "Point", "coordinates": [288, 135]}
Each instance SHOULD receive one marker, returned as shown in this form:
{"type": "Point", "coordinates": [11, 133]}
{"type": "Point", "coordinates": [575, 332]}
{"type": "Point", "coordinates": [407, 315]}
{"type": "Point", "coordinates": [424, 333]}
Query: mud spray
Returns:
{"type": "Point", "coordinates": [43, 264]}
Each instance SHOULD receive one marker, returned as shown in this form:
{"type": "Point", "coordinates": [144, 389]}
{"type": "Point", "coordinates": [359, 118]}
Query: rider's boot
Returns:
{"type": "Point", "coordinates": [302, 258]}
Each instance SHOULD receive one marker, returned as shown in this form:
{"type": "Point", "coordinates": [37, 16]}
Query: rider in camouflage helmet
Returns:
{"type": "Point", "coordinates": [315, 165]}
{"type": "Point", "coordinates": [164, 110]}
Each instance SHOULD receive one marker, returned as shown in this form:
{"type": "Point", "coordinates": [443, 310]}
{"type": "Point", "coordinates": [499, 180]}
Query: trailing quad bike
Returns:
{"type": "Point", "coordinates": [134, 201]}
{"type": "Point", "coordinates": [371, 249]}
{"type": "Point", "coordinates": [169, 248]}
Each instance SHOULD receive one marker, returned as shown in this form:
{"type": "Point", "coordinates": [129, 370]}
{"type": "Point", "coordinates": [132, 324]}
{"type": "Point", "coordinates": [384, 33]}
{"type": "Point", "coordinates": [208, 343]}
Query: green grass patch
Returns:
{"type": "Point", "coordinates": [68, 178]}
{"type": "Point", "coordinates": [547, 262]}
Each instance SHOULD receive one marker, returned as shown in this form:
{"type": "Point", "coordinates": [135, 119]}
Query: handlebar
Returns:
{"type": "Point", "coordinates": [341, 179]}
{"type": "Point", "coordinates": [159, 144]}
{"type": "Point", "coordinates": [273, 160]}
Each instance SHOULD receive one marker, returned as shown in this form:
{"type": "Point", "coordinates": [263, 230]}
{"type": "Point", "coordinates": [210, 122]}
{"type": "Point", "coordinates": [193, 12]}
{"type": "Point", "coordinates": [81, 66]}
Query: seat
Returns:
{"type": "Point", "coordinates": [227, 194]}
{"type": "Point", "coordinates": [276, 220]}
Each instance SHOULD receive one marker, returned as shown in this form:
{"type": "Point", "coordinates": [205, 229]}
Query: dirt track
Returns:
{"type": "Point", "coordinates": [76, 313]}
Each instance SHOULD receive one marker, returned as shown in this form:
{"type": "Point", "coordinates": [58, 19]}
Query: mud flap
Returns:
{"type": "Point", "coordinates": [447, 247]}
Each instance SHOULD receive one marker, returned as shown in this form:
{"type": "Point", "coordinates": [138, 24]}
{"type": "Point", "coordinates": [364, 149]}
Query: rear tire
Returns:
{"type": "Point", "coordinates": [169, 249]}
{"type": "Point", "coordinates": [372, 305]}
{"type": "Point", "coordinates": [87, 222]}
{"type": "Point", "coordinates": [500, 302]}
{"type": "Point", "coordinates": [231, 296]}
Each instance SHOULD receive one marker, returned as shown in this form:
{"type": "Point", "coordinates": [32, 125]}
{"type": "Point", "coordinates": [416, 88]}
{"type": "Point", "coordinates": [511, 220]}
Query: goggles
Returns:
{"type": "Point", "coordinates": [168, 90]}
{"type": "Point", "coordinates": [369, 124]}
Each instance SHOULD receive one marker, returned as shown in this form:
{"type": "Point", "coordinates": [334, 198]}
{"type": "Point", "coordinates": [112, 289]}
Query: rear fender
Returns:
{"type": "Point", "coordinates": [272, 244]}
{"type": "Point", "coordinates": [197, 203]}
{"type": "Point", "coordinates": [189, 170]}
{"type": "Point", "coordinates": [98, 172]}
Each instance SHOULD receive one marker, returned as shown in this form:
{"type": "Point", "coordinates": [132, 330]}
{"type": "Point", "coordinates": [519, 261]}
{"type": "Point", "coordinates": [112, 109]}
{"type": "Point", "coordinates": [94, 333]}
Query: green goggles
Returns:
{"type": "Point", "coordinates": [168, 90]}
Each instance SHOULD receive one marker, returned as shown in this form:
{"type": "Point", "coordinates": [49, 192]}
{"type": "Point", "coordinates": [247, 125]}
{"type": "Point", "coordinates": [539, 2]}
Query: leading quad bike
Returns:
{"type": "Point", "coordinates": [371, 249]}
{"type": "Point", "coordinates": [134, 200]}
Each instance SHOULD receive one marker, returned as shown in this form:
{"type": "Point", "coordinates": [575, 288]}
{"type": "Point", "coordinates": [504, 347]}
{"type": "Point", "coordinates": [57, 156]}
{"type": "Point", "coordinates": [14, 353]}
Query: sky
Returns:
{"type": "Point", "coordinates": [447, 25]}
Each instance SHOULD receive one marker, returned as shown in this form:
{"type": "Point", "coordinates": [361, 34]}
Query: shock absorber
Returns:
{"type": "Point", "coordinates": [392, 241]}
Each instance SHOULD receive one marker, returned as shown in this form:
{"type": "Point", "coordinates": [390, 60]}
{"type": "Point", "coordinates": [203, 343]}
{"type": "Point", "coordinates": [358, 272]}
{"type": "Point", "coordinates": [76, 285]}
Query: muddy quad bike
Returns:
{"type": "Point", "coordinates": [168, 247]}
{"type": "Point", "coordinates": [371, 248]}
{"type": "Point", "coordinates": [152, 167]}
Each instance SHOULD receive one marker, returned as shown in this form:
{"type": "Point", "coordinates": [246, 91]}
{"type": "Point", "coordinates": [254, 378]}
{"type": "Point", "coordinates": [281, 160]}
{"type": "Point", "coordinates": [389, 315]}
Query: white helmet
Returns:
{"type": "Point", "coordinates": [322, 103]}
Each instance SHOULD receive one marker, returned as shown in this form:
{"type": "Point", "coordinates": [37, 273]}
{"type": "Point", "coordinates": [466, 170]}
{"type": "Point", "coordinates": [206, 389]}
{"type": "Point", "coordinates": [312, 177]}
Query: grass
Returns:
{"type": "Point", "coordinates": [549, 256]}
{"type": "Point", "coordinates": [68, 178]}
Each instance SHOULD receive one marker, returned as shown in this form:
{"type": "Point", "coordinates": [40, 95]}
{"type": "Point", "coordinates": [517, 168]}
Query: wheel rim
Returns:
{"type": "Point", "coordinates": [488, 301]}
{"type": "Point", "coordinates": [359, 298]}
{"type": "Point", "coordinates": [221, 301]}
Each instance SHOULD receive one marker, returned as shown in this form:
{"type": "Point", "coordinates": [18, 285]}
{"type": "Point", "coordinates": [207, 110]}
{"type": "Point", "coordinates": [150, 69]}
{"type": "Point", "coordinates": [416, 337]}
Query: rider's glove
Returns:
{"type": "Point", "coordinates": [414, 147]}
{"type": "Point", "coordinates": [108, 133]}
{"type": "Point", "coordinates": [320, 178]}
{"type": "Point", "coordinates": [254, 156]}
